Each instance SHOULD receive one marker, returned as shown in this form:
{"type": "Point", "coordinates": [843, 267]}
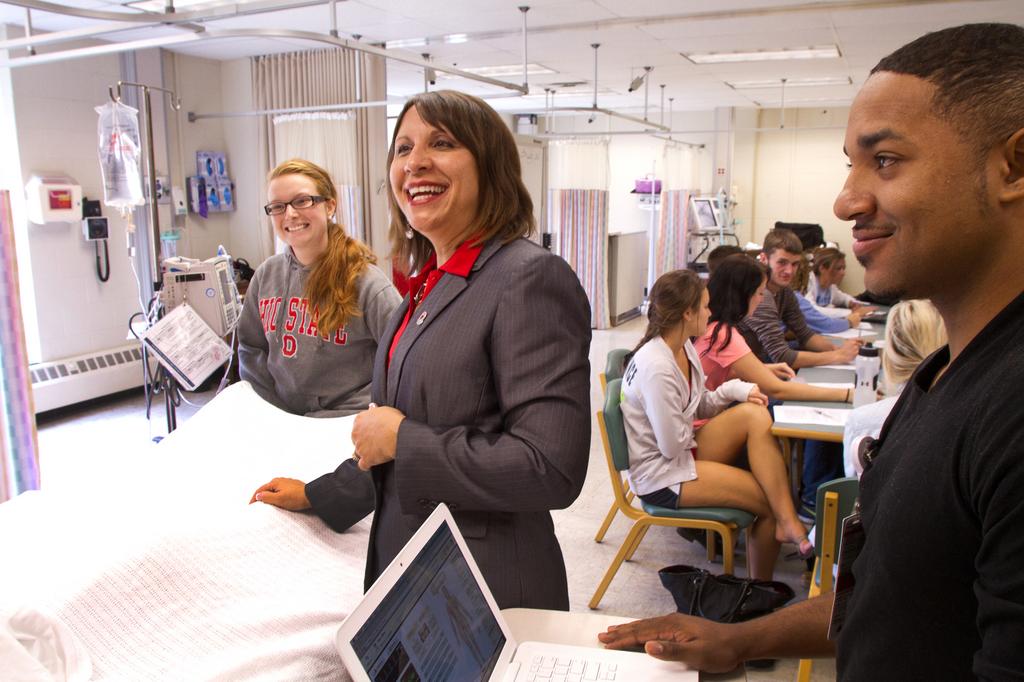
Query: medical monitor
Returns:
{"type": "Point", "coordinates": [704, 209]}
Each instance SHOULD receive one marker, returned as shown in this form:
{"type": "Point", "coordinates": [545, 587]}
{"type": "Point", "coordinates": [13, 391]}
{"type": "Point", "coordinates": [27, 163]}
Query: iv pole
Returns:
{"type": "Point", "coordinates": [166, 381]}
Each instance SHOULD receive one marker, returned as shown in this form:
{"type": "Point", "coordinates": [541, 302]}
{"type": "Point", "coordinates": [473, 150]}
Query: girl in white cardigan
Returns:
{"type": "Point", "coordinates": [671, 463]}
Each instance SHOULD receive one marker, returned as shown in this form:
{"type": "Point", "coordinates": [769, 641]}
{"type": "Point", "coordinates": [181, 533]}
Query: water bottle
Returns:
{"type": "Point", "coordinates": [866, 367]}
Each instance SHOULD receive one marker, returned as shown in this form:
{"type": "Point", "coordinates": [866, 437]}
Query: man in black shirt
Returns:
{"type": "Point", "coordinates": [936, 192]}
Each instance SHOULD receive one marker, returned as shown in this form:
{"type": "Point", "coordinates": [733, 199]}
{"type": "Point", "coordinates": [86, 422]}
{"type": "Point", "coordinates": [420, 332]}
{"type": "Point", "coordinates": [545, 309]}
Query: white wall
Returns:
{"type": "Point", "coordinates": [56, 132]}
{"type": "Point", "coordinates": [798, 174]}
{"type": "Point", "coordinates": [744, 149]}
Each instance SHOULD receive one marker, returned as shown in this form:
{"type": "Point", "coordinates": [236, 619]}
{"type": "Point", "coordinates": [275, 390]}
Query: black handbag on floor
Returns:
{"type": "Point", "coordinates": [722, 598]}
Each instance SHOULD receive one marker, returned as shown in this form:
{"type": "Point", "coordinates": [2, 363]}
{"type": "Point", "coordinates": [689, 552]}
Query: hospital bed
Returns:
{"type": "Point", "coordinates": [155, 567]}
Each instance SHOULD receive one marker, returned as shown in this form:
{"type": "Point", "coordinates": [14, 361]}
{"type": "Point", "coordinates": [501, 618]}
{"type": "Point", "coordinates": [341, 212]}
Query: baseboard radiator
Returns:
{"type": "Point", "coordinates": [83, 377]}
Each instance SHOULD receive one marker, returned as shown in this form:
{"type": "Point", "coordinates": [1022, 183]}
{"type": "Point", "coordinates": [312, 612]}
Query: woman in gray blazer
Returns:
{"type": "Point", "coordinates": [481, 384]}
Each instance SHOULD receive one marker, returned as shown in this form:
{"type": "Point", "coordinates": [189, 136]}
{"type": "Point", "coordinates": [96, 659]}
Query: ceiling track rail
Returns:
{"type": "Point", "coordinates": [185, 38]}
{"type": "Point", "coordinates": [193, 117]}
{"type": "Point", "coordinates": [651, 127]}
{"type": "Point", "coordinates": [176, 17]}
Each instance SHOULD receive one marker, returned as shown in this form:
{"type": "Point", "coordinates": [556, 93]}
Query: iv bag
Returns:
{"type": "Point", "coordinates": [120, 152]}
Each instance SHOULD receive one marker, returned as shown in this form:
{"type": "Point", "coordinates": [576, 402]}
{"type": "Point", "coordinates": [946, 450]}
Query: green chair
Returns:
{"type": "Point", "coordinates": [613, 367]}
{"type": "Point", "coordinates": [836, 500]}
{"type": "Point", "coordinates": [721, 520]}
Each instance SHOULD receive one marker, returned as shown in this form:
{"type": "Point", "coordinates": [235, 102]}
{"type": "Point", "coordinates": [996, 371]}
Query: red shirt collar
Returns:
{"type": "Point", "coordinates": [460, 263]}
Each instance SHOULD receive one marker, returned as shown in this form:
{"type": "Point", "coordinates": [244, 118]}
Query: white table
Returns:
{"type": "Point", "coordinates": [579, 629]}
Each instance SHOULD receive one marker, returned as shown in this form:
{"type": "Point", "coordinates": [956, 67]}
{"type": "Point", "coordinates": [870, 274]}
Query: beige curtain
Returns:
{"type": "Point", "coordinates": [314, 78]}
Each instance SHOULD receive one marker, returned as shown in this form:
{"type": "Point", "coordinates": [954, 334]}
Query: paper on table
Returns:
{"type": "Point", "coordinates": [798, 414]}
{"type": "Point", "coordinates": [829, 384]}
{"type": "Point", "coordinates": [854, 334]}
{"type": "Point", "coordinates": [847, 366]}
{"type": "Point", "coordinates": [865, 325]}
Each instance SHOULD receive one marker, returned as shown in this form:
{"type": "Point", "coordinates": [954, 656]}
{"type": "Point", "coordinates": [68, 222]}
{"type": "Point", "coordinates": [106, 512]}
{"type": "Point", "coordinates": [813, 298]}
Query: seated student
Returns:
{"type": "Point", "coordinates": [827, 271]}
{"type": "Point", "coordinates": [779, 312]}
{"type": "Point", "coordinates": [736, 288]}
{"type": "Point", "coordinates": [671, 465]}
{"type": "Point", "coordinates": [913, 332]}
{"type": "Point", "coordinates": [312, 319]}
{"type": "Point", "coordinates": [313, 315]}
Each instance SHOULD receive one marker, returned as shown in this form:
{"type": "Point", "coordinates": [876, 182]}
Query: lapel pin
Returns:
{"type": "Point", "coordinates": [423, 316]}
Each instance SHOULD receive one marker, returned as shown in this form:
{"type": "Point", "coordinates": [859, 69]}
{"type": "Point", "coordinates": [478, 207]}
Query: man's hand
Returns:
{"type": "Point", "coordinates": [286, 493]}
{"type": "Point", "coordinates": [375, 435]}
{"type": "Point", "coordinates": [854, 318]}
{"type": "Point", "coordinates": [699, 643]}
{"type": "Point", "coordinates": [848, 351]}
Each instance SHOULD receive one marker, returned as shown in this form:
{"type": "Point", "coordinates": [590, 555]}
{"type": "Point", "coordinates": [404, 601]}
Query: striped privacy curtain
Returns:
{"type": "Point", "coordinates": [670, 238]}
{"type": "Point", "coordinates": [330, 140]}
{"type": "Point", "coordinates": [578, 216]}
{"type": "Point", "coordinates": [320, 78]}
{"type": "Point", "coordinates": [20, 470]}
{"type": "Point", "coordinates": [672, 231]}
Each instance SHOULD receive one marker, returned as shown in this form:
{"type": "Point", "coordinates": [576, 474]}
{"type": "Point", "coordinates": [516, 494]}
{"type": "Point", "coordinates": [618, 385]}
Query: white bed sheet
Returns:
{"type": "Point", "coordinates": [162, 570]}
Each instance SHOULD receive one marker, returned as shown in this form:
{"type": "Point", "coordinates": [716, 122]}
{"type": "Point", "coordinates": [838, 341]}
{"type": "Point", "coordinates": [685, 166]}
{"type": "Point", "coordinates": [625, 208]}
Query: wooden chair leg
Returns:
{"type": "Point", "coordinates": [710, 542]}
{"type": "Point", "coordinates": [611, 514]}
{"type": "Point", "coordinates": [638, 528]}
{"type": "Point", "coordinates": [728, 547]}
{"type": "Point", "coordinates": [803, 673]}
{"type": "Point", "coordinates": [636, 543]}
{"type": "Point", "coordinates": [607, 522]}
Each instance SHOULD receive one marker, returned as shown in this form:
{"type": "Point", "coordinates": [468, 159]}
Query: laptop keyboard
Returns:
{"type": "Point", "coordinates": [566, 669]}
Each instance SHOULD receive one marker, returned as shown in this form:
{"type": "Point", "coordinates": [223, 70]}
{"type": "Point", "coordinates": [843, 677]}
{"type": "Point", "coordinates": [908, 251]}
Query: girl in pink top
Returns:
{"type": "Point", "coordinates": [736, 287]}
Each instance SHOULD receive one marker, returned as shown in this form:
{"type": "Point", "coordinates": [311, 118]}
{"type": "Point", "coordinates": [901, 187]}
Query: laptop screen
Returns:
{"type": "Point", "coordinates": [434, 624]}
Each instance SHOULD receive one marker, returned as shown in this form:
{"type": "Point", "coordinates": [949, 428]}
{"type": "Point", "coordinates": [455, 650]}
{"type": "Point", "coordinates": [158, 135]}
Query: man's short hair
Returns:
{"type": "Point", "coordinates": [978, 74]}
{"type": "Point", "coordinates": [781, 239]}
{"type": "Point", "coordinates": [720, 253]}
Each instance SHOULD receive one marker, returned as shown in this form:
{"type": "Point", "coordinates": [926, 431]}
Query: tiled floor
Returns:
{"type": "Point", "coordinates": [73, 438]}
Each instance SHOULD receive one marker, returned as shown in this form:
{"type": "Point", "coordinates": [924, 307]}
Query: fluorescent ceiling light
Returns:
{"type": "Point", "coordinates": [790, 82]}
{"type": "Point", "coordinates": [818, 52]}
{"type": "Point", "coordinates": [450, 39]}
{"type": "Point", "coordinates": [405, 42]}
{"type": "Point", "coordinates": [509, 70]}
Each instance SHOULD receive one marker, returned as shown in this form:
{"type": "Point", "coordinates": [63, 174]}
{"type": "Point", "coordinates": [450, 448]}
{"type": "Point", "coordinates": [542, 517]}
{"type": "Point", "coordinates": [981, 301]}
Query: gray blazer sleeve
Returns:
{"type": "Point", "coordinates": [252, 345]}
{"type": "Point", "coordinates": [343, 497]}
{"type": "Point", "coordinates": [538, 347]}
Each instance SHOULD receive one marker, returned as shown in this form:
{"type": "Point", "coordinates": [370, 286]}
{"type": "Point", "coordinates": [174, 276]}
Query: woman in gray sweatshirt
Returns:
{"type": "Point", "coordinates": [313, 314]}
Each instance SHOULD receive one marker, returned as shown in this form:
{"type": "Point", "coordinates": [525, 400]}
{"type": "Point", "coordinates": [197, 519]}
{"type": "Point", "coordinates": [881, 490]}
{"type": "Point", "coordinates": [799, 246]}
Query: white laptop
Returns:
{"type": "Point", "coordinates": [430, 617]}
